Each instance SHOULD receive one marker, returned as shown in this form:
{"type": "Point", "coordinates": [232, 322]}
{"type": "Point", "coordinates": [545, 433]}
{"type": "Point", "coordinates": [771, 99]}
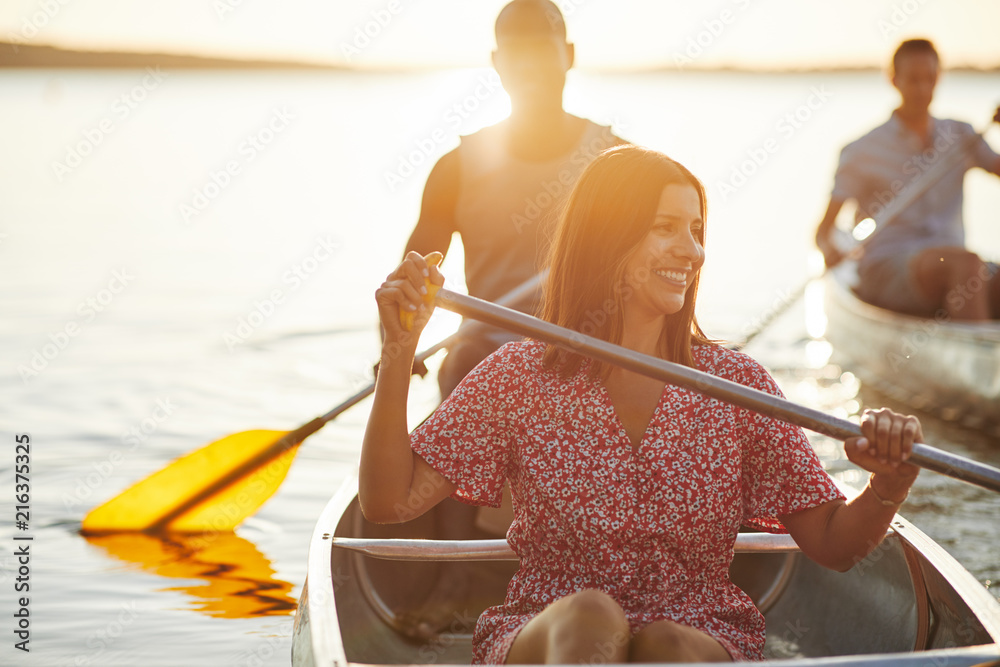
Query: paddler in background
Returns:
{"type": "Point", "coordinates": [917, 262]}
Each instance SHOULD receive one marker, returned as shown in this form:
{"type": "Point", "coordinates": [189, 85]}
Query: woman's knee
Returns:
{"type": "Point", "coordinates": [663, 638]}
{"type": "Point", "coordinates": [666, 641]}
{"type": "Point", "coordinates": [594, 607]}
{"type": "Point", "coordinates": [584, 627]}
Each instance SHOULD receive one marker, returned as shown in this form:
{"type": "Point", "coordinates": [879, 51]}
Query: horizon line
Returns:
{"type": "Point", "coordinates": [41, 56]}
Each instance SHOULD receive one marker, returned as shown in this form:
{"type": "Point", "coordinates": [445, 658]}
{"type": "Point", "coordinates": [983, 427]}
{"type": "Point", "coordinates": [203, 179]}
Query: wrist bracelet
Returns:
{"type": "Point", "coordinates": [886, 503]}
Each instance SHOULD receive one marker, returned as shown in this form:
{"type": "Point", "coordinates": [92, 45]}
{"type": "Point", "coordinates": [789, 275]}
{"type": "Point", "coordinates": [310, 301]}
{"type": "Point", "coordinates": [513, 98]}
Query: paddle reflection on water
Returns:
{"type": "Point", "coordinates": [232, 578]}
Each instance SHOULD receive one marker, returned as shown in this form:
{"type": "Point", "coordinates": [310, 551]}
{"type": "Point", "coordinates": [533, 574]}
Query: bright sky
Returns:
{"type": "Point", "coordinates": [608, 33]}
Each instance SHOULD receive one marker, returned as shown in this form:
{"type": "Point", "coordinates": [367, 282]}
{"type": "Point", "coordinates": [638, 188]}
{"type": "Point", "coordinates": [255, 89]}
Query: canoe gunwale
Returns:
{"type": "Point", "coordinates": [315, 619]}
{"type": "Point", "coordinates": [498, 549]}
{"type": "Point", "coordinates": [968, 589]}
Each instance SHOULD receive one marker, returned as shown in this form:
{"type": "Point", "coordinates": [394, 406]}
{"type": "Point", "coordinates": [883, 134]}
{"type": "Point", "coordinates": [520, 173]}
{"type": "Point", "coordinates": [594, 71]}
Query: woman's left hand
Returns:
{"type": "Point", "coordinates": [885, 444]}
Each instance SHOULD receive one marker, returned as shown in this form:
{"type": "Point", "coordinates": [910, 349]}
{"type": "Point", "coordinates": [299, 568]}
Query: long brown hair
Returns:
{"type": "Point", "coordinates": [606, 217]}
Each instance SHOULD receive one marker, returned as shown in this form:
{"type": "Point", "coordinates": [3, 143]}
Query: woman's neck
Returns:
{"type": "Point", "coordinates": [644, 337]}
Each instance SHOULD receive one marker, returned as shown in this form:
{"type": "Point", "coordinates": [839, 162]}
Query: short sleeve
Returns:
{"type": "Point", "coordinates": [466, 439]}
{"type": "Point", "coordinates": [781, 472]}
{"type": "Point", "coordinates": [984, 156]}
{"type": "Point", "coordinates": [848, 183]}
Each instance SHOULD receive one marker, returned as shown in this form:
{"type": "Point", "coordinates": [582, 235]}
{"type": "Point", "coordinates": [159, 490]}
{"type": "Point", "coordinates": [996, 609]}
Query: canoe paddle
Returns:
{"type": "Point", "coordinates": [866, 229]}
{"type": "Point", "coordinates": [216, 487]}
{"type": "Point", "coordinates": [766, 404]}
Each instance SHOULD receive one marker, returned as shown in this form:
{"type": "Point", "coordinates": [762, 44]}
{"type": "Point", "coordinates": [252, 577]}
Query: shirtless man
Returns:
{"type": "Point", "coordinates": [502, 190]}
{"type": "Point", "coordinates": [916, 263]}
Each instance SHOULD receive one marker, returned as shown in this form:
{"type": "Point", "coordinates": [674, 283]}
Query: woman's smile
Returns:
{"type": "Point", "coordinates": [664, 264]}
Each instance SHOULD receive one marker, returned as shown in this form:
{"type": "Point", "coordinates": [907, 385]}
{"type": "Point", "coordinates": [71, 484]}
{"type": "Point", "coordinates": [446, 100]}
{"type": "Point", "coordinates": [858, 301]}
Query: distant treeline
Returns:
{"type": "Point", "coordinates": [14, 54]}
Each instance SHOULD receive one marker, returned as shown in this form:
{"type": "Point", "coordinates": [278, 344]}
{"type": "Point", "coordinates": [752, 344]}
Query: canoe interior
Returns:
{"type": "Point", "coordinates": [891, 602]}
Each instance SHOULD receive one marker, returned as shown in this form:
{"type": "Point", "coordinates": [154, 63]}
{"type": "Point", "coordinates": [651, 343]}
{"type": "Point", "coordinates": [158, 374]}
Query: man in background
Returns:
{"type": "Point", "coordinates": [916, 263]}
{"type": "Point", "coordinates": [503, 187]}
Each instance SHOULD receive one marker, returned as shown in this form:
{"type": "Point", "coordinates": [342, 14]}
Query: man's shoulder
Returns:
{"type": "Point", "coordinates": [445, 172]}
{"type": "Point", "coordinates": [882, 134]}
{"type": "Point", "coordinates": [949, 126]}
{"type": "Point", "coordinates": [490, 133]}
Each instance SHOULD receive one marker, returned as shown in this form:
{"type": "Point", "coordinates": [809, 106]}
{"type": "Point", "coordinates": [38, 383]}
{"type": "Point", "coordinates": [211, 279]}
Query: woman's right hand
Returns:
{"type": "Point", "coordinates": [404, 290]}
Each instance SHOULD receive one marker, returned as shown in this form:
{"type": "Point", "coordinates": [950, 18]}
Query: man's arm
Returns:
{"type": "Point", "coordinates": [996, 163]}
{"type": "Point", "coordinates": [436, 223]}
{"type": "Point", "coordinates": [824, 240]}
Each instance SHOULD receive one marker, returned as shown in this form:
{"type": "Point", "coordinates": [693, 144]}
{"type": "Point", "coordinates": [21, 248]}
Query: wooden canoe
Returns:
{"type": "Point", "coordinates": [936, 365]}
{"type": "Point", "coordinates": [909, 604]}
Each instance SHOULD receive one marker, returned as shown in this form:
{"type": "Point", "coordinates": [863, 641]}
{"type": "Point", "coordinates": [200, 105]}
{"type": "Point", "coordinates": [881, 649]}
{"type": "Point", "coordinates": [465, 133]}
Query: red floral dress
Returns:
{"type": "Point", "coordinates": [653, 527]}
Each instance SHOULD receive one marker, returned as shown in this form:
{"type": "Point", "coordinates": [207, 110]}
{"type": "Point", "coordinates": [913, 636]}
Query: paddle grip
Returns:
{"type": "Point", "coordinates": [406, 316]}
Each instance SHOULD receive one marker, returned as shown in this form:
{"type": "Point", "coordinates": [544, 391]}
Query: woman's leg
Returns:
{"type": "Point", "coordinates": [666, 641]}
{"type": "Point", "coordinates": [585, 627]}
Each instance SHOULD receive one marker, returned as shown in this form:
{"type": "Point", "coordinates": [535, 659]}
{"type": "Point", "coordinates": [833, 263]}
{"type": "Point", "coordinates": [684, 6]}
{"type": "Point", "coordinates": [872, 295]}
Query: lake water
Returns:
{"type": "Point", "coordinates": [187, 254]}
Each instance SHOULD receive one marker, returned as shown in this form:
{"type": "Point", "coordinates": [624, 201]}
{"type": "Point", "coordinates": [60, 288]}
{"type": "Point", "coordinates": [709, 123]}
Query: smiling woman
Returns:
{"type": "Point", "coordinates": [605, 253]}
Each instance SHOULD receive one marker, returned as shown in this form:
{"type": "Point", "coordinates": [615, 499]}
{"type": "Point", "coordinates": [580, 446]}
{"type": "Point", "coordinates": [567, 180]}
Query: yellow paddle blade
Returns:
{"type": "Point", "coordinates": [211, 489]}
{"type": "Point", "coordinates": [224, 575]}
{"type": "Point", "coordinates": [228, 508]}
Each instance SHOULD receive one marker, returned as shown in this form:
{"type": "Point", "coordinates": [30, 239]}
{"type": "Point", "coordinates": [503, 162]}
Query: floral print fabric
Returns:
{"type": "Point", "coordinates": [653, 526]}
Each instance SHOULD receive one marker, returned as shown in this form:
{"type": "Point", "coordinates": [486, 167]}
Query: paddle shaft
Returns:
{"type": "Point", "coordinates": [922, 455]}
{"type": "Point", "coordinates": [896, 206]}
